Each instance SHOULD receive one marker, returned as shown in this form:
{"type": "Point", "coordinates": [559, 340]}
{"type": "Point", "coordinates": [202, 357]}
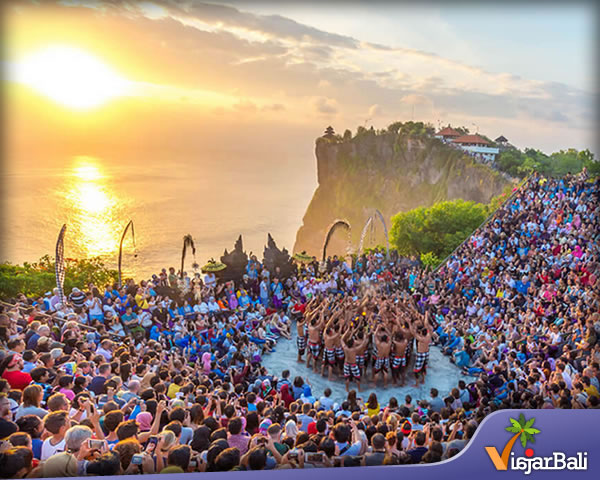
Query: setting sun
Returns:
{"type": "Point", "coordinates": [71, 77]}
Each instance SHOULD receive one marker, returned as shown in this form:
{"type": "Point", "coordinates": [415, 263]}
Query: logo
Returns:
{"type": "Point", "coordinates": [523, 430]}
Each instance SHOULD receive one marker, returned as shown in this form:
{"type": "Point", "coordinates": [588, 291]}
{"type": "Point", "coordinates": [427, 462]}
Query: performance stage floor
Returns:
{"type": "Point", "coordinates": [441, 374]}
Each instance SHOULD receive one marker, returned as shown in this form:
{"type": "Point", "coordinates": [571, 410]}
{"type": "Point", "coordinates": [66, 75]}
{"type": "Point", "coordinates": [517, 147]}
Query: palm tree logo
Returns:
{"type": "Point", "coordinates": [522, 429]}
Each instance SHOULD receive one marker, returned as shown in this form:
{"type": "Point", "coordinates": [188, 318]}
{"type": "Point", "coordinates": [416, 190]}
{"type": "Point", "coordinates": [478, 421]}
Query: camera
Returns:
{"type": "Point", "coordinates": [293, 455]}
{"type": "Point", "coordinates": [95, 444]}
{"type": "Point", "coordinates": [313, 457]}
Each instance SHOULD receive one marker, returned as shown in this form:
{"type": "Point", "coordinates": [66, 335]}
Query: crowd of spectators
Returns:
{"type": "Point", "coordinates": [166, 375]}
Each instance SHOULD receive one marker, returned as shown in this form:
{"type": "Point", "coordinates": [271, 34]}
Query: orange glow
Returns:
{"type": "Point", "coordinates": [71, 77]}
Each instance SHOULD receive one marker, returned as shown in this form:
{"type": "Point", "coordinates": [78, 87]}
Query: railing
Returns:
{"type": "Point", "coordinates": [487, 220]}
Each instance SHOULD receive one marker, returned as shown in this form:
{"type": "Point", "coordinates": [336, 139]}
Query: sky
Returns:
{"type": "Point", "coordinates": [267, 77]}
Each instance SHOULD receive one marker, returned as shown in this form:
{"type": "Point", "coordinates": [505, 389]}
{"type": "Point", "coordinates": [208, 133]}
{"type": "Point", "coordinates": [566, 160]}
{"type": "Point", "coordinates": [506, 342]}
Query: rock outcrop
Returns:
{"type": "Point", "coordinates": [391, 172]}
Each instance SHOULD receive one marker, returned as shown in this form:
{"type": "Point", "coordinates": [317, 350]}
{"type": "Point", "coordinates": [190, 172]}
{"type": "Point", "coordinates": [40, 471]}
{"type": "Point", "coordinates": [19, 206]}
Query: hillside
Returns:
{"type": "Point", "coordinates": [391, 172]}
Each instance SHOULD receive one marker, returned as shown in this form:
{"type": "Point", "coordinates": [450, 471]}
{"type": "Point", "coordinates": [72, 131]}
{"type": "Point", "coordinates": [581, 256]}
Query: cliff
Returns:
{"type": "Point", "coordinates": [390, 172]}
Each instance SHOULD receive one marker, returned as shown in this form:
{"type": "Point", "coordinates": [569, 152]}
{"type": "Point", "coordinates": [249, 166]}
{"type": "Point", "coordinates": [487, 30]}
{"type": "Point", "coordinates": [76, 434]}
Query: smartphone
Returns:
{"type": "Point", "coordinates": [193, 463]}
{"type": "Point", "coordinates": [153, 439]}
{"type": "Point", "coordinates": [261, 441]}
{"type": "Point", "coordinates": [137, 459]}
{"type": "Point", "coordinates": [314, 457]}
{"type": "Point", "coordinates": [95, 444]}
{"type": "Point", "coordinates": [293, 455]}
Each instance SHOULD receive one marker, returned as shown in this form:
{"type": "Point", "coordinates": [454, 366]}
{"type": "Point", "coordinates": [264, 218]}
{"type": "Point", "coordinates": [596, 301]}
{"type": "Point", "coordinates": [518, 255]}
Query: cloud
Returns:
{"type": "Point", "coordinates": [374, 110]}
{"type": "Point", "coordinates": [271, 26]}
{"type": "Point", "coordinates": [245, 106]}
{"type": "Point", "coordinates": [268, 63]}
{"type": "Point", "coordinates": [325, 105]}
{"type": "Point", "coordinates": [274, 107]}
{"type": "Point", "coordinates": [415, 99]}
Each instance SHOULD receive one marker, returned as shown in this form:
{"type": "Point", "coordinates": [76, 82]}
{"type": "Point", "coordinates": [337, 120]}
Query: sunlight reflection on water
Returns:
{"type": "Point", "coordinates": [92, 206]}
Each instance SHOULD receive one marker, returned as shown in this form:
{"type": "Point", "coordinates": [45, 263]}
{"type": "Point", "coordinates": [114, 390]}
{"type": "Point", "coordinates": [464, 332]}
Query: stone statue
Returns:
{"type": "Point", "coordinates": [236, 262]}
{"type": "Point", "coordinates": [278, 262]}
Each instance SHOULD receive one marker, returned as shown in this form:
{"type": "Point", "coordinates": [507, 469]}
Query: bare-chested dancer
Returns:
{"type": "Point", "coordinates": [315, 328]}
{"type": "Point", "coordinates": [399, 348]}
{"type": "Point", "coordinates": [331, 338]}
{"type": "Point", "coordinates": [383, 344]}
{"type": "Point", "coordinates": [301, 328]}
{"type": "Point", "coordinates": [351, 369]}
{"type": "Point", "coordinates": [422, 333]}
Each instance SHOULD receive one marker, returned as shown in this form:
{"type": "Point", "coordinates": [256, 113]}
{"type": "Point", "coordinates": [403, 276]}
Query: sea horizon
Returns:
{"type": "Point", "coordinates": [96, 197]}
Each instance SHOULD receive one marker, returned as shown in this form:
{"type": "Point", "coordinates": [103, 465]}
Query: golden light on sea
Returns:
{"type": "Point", "coordinates": [92, 206]}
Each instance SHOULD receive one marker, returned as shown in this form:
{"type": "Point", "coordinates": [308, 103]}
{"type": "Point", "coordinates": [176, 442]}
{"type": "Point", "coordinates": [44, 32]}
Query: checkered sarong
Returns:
{"type": "Point", "coordinates": [301, 342]}
{"type": "Point", "coordinates": [382, 363]}
{"type": "Point", "coordinates": [329, 356]}
{"type": "Point", "coordinates": [421, 361]}
{"type": "Point", "coordinates": [315, 349]}
{"type": "Point", "coordinates": [360, 360]}
{"type": "Point", "coordinates": [398, 362]}
{"type": "Point", "coordinates": [351, 370]}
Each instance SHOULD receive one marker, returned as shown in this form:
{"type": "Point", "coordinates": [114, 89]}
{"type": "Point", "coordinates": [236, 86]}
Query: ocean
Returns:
{"type": "Point", "coordinates": [214, 199]}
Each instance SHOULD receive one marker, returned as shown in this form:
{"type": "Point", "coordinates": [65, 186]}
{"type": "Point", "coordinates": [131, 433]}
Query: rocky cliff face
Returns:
{"type": "Point", "coordinates": [391, 173]}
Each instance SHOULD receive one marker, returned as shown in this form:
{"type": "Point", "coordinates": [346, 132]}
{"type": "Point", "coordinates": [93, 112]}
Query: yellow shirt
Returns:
{"type": "Point", "coordinates": [141, 302]}
{"type": "Point", "coordinates": [173, 389]}
{"type": "Point", "coordinates": [373, 411]}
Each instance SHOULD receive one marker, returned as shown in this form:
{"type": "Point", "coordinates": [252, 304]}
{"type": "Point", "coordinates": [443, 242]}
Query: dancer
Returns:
{"type": "Point", "coordinates": [422, 333]}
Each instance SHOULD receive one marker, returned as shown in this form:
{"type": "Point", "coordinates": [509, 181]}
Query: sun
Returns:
{"type": "Point", "coordinates": [71, 77]}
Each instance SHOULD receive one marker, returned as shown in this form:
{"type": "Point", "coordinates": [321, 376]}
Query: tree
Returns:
{"type": "Point", "coordinates": [347, 135]}
{"type": "Point", "coordinates": [438, 229]}
{"type": "Point", "coordinates": [394, 127]}
{"type": "Point", "coordinates": [510, 162]}
{"type": "Point", "coordinates": [37, 278]}
{"type": "Point", "coordinates": [329, 132]}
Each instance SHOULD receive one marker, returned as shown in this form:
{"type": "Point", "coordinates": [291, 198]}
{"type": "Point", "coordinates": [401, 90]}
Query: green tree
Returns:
{"type": "Point", "coordinates": [438, 229]}
{"type": "Point", "coordinates": [430, 260]}
{"type": "Point", "coordinates": [38, 278]}
{"type": "Point", "coordinates": [510, 162]}
{"type": "Point", "coordinates": [347, 135]}
{"type": "Point", "coordinates": [360, 131]}
{"type": "Point", "coordinates": [395, 127]}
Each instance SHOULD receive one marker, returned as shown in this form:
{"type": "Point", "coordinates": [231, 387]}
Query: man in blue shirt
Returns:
{"type": "Point", "coordinates": [420, 449]}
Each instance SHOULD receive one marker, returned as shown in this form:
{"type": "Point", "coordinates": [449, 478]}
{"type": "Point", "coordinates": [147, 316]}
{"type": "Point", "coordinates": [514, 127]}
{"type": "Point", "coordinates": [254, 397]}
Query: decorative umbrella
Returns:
{"type": "Point", "coordinates": [303, 257]}
{"type": "Point", "coordinates": [213, 266]}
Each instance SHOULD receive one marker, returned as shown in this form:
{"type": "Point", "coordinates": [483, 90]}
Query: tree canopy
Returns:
{"type": "Point", "coordinates": [438, 229]}
{"type": "Point", "coordinates": [37, 278]}
{"type": "Point", "coordinates": [519, 163]}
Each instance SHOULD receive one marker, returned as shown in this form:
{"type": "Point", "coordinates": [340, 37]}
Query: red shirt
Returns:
{"type": "Point", "coordinates": [17, 379]}
{"type": "Point", "coordinates": [300, 308]}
